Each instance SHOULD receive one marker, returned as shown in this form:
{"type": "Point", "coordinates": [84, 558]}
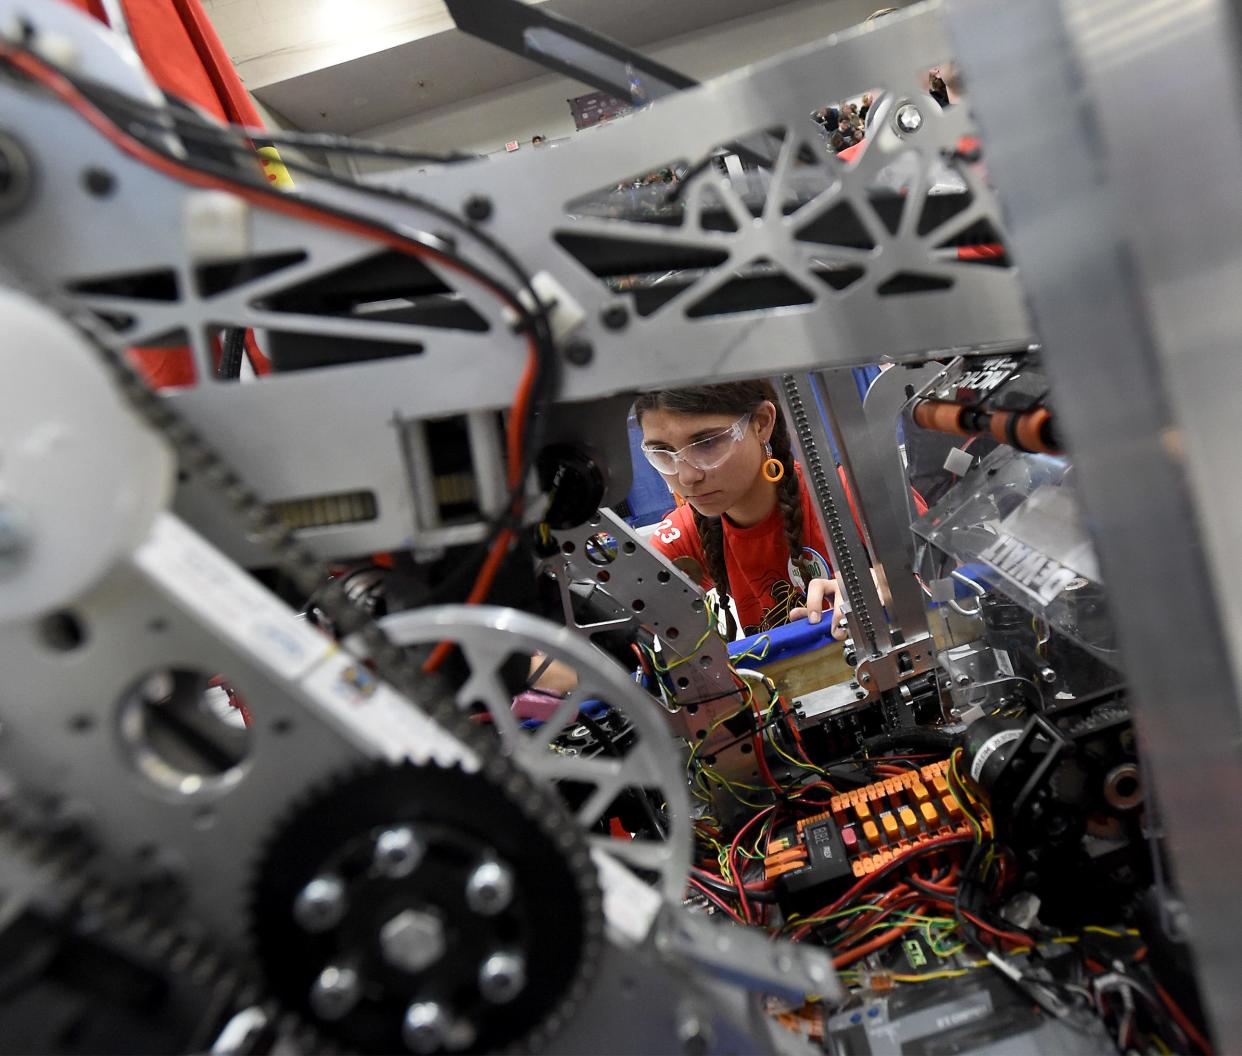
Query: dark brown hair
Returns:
{"type": "Point", "coordinates": [737, 397]}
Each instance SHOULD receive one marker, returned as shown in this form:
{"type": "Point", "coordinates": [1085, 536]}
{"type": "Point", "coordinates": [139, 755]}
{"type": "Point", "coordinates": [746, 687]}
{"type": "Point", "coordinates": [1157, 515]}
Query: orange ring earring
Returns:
{"type": "Point", "coordinates": [773, 468]}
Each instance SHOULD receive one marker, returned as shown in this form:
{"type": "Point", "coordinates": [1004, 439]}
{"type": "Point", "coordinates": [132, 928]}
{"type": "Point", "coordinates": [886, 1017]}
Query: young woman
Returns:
{"type": "Point", "coordinates": [747, 522]}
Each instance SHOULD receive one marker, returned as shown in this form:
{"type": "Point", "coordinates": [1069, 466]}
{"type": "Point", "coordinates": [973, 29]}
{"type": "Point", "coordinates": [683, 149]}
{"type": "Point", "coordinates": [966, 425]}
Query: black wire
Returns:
{"type": "Point", "coordinates": [727, 888]}
{"type": "Point", "coordinates": [188, 123]}
{"type": "Point", "coordinates": [610, 747]}
{"type": "Point", "coordinates": [326, 142]}
{"type": "Point", "coordinates": [710, 700]}
{"type": "Point", "coordinates": [232, 348]}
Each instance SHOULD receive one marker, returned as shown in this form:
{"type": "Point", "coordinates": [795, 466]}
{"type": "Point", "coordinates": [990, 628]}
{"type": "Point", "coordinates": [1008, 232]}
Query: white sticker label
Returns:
{"type": "Point", "coordinates": [987, 749]}
{"type": "Point", "coordinates": [260, 625]}
{"type": "Point", "coordinates": [228, 600]}
{"type": "Point", "coordinates": [988, 375]}
{"type": "Point", "coordinates": [1028, 567]}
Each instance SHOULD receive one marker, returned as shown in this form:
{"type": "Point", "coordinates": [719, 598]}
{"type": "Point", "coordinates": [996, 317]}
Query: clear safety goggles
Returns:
{"type": "Point", "coordinates": [704, 454]}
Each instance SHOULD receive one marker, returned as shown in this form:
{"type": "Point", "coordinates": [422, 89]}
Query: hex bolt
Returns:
{"type": "Point", "coordinates": [321, 904]}
{"type": "Point", "coordinates": [412, 940]}
{"type": "Point", "coordinates": [398, 852]}
{"type": "Point", "coordinates": [478, 207]}
{"type": "Point", "coordinates": [909, 118]}
{"type": "Point", "coordinates": [423, 1027]}
{"type": "Point", "coordinates": [490, 888]}
{"type": "Point", "coordinates": [502, 977]}
{"type": "Point", "coordinates": [334, 992]}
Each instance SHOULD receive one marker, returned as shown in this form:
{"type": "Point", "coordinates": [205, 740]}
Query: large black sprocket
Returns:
{"type": "Point", "coordinates": [460, 819]}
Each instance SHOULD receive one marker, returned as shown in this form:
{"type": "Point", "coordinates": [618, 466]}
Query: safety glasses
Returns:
{"type": "Point", "coordinates": [704, 454]}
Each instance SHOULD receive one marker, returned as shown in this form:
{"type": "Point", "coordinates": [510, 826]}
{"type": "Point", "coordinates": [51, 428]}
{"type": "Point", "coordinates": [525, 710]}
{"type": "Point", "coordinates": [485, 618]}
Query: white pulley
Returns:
{"type": "Point", "coordinates": [81, 476]}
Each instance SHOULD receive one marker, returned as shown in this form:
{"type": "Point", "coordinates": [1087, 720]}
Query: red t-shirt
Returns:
{"type": "Point", "coordinates": [762, 581]}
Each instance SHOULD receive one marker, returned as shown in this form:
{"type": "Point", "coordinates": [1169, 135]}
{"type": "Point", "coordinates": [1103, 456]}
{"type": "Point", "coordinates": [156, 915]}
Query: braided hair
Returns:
{"type": "Point", "coordinates": [737, 397]}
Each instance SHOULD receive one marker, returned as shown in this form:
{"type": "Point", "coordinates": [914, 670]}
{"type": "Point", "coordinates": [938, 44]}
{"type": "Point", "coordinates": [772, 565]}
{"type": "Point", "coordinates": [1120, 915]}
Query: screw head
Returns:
{"type": "Point", "coordinates": [478, 207]}
{"type": "Point", "coordinates": [423, 1027]}
{"type": "Point", "coordinates": [578, 351]}
{"type": "Point", "coordinates": [502, 977]}
{"type": "Point", "coordinates": [412, 940]}
{"type": "Point", "coordinates": [1047, 674]}
{"type": "Point", "coordinates": [334, 992]}
{"type": "Point", "coordinates": [963, 679]}
{"type": "Point", "coordinates": [321, 904]}
{"type": "Point", "coordinates": [99, 182]}
{"type": "Point", "coordinates": [864, 678]}
{"type": "Point", "coordinates": [490, 888]}
{"type": "Point", "coordinates": [615, 317]}
{"type": "Point", "coordinates": [693, 1035]}
{"type": "Point", "coordinates": [909, 118]}
{"type": "Point", "coordinates": [398, 852]}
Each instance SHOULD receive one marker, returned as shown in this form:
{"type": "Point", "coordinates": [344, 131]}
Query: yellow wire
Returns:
{"type": "Point", "coordinates": [958, 799]}
{"type": "Point", "coordinates": [767, 648]}
{"type": "Point", "coordinates": [952, 973]}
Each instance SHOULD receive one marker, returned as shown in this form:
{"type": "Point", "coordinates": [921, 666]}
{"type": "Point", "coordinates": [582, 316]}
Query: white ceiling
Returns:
{"type": "Point", "coordinates": [347, 65]}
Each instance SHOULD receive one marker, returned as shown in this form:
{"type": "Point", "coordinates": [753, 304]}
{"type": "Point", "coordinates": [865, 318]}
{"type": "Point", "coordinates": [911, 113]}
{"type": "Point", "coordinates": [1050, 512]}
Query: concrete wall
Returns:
{"type": "Point", "coordinates": [485, 123]}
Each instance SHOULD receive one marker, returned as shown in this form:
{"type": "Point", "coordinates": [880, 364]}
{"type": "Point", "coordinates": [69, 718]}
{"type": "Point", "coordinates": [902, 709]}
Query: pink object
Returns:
{"type": "Point", "coordinates": [850, 838]}
{"type": "Point", "coordinates": [533, 704]}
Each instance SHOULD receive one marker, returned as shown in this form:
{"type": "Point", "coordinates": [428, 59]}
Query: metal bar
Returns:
{"type": "Point", "coordinates": [809, 435]}
{"type": "Point", "coordinates": [1140, 316]}
{"type": "Point", "coordinates": [867, 435]}
{"type": "Point", "coordinates": [565, 47]}
{"type": "Point", "coordinates": [417, 456]}
{"type": "Point", "coordinates": [486, 443]}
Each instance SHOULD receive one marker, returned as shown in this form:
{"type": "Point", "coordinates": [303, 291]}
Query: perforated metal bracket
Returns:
{"type": "Point", "coordinates": [876, 674]}
{"type": "Point", "coordinates": [644, 589]}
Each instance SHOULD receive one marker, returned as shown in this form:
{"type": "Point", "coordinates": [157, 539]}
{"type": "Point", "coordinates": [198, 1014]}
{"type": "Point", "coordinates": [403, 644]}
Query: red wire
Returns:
{"type": "Point", "coordinates": [879, 942]}
{"type": "Point", "coordinates": [55, 82]}
{"type": "Point", "coordinates": [716, 900]}
{"type": "Point", "coordinates": [1183, 1021]}
{"type": "Point", "coordinates": [757, 738]}
{"type": "Point", "coordinates": [737, 875]}
{"type": "Point", "coordinates": [1008, 936]}
{"type": "Point", "coordinates": [478, 592]}
{"type": "Point", "coordinates": [861, 885]}
{"type": "Point", "coordinates": [65, 90]}
{"type": "Point", "coordinates": [642, 660]}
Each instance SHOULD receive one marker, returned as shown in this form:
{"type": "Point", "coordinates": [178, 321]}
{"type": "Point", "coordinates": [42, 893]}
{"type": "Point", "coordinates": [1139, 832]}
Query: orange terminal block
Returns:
{"type": "Point", "coordinates": [908, 821]}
